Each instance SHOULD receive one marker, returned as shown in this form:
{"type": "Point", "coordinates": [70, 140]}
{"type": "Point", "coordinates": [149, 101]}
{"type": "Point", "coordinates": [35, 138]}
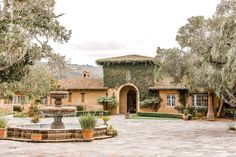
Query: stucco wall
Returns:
{"type": "Point", "coordinates": [163, 105]}
{"type": "Point", "coordinates": [90, 99]}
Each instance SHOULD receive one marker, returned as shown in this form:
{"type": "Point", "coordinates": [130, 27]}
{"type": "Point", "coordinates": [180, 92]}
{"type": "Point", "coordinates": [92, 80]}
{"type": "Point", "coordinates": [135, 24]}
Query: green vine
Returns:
{"type": "Point", "coordinates": [141, 75]}
{"type": "Point", "coordinates": [153, 103]}
{"type": "Point", "coordinates": [108, 101]}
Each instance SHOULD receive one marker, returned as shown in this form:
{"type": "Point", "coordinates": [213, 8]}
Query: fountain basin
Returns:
{"type": "Point", "coordinates": [72, 133]}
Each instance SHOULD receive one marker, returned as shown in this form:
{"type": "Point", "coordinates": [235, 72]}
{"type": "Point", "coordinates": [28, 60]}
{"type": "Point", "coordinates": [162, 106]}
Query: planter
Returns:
{"type": "Point", "coordinates": [185, 117]}
{"type": "Point", "coordinates": [2, 133]}
{"type": "Point", "coordinates": [87, 135]}
{"type": "Point", "coordinates": [126, 115]}
{"type": "Point", "coordinates": [36, 137]}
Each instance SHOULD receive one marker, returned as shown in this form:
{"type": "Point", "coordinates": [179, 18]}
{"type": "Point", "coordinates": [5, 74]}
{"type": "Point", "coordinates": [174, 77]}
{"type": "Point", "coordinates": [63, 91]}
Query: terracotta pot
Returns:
{"type": "Point", "coordinates": [2, 133]}
{"type": "Point", "coordinates": [185, 117]}
{"type": "Point", "coordinates": [87, 135]}
{"type": "Point", "coordinates": [36, 137]}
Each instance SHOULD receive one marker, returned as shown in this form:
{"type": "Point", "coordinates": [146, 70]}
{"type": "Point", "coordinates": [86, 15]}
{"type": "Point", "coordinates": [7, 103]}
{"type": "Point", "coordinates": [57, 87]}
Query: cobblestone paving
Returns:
{"type": "Point", "coordinates": [139, 138]}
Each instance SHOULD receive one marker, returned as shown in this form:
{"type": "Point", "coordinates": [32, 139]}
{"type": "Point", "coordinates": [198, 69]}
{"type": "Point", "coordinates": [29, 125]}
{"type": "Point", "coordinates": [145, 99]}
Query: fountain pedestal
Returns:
{"type": "Point", "coordinates": [58, 111]}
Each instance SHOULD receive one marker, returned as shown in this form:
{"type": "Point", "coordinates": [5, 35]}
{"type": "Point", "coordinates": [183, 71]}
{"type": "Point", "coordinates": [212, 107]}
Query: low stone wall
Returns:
{"type": "Point", "coordinates": [54, 135]}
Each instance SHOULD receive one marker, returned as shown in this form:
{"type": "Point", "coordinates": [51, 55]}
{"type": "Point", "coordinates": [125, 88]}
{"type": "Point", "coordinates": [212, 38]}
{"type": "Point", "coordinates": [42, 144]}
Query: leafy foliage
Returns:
{"type": "Point", "coordinates": [3, 122]}
{"type": "Point", "coordinates": [209, 58]}
{"type": "Point", "coordinates": [152, 103]}
{"type": "Point", "coordinates": [141, 75]}
{"type": "Point", "coordinates": [111, 101]}
{"type": "Point", "coordinates": [87, 121]}
{"type": "Point", "coordinates": [26, 27]}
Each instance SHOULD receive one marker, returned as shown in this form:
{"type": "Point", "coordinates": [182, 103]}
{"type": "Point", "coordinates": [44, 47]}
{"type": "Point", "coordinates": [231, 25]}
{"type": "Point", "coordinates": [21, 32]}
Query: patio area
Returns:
{"type": "Point", "coordinates": [139, 137]}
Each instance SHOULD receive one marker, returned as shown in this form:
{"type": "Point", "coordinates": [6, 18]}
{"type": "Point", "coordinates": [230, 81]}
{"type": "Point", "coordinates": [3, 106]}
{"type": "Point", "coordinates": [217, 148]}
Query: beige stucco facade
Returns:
{"type": "Point", "coordinates": [86, 98]}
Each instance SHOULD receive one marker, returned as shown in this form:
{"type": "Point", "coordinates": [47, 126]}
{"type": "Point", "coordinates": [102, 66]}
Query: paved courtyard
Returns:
{"type": "Point", "coordinates": [138, 138]}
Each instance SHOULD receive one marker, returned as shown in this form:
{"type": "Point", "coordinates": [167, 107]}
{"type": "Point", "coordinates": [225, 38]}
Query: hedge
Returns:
{"type": "Point", "coordinates": [96, 113]}
{"type": "Point", "coordinates": [160, 114]}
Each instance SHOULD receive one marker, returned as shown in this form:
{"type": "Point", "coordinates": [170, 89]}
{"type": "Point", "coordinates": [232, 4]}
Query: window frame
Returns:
{"type": "Point", "coordinates": [82, 97]}
{"type": "Point", "coordinates": [171, 100]}
{"type": "Point", "coordinates": [202, 97]}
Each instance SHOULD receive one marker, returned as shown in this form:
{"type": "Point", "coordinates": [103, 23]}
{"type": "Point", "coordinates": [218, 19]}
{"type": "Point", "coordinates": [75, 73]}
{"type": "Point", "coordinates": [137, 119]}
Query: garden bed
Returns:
{"type": "Point", "coordinates": [160, 114]}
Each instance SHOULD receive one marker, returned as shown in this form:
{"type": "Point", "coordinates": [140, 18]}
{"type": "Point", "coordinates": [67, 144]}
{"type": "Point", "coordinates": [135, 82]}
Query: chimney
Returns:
{"type": "Point", "coordinates": [85, 74]}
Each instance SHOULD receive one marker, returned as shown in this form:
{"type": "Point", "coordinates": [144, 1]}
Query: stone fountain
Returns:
{"type": "Point", "coordinates": [57, 131]}
{"type": "Point", "coordinates": [58, 111]}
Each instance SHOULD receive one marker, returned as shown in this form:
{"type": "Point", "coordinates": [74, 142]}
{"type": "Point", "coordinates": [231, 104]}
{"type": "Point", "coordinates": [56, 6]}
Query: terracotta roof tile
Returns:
{"type": "Point", "coordinates": [126, 59]}
{"type": "Point", "coordinates": [166, 84]}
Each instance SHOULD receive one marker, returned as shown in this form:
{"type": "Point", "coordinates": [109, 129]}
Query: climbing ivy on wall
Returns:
{"type": "Point", "coordinates": [142, 75]}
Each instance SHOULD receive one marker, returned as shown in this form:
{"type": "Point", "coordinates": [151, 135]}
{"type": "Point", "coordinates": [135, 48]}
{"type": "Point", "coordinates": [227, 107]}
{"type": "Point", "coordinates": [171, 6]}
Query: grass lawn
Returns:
{"type": "Point", "coordinates": [135, 116]}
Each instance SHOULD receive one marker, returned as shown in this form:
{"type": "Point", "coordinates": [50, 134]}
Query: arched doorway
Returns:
{"type": "Point", "coordinates": [128, 99]}
{"type": "Point", "coordinates": [131, 101]}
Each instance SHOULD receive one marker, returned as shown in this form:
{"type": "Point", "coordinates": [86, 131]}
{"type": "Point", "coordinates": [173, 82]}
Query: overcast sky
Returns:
{"type": "Point", "coordinates": [106, 28]}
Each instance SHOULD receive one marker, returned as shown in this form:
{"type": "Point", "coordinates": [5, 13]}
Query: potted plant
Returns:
{"type": "Point", "coordinates": [105, 120]}
{"type": "Point", "coordinates": [3, 125]}
{"type": "Point", "coordinates": [87, 123]}
{"type": "Point", "coordinates": [185, 115]}
{"type": "Point", "coordinates": [111, 131]}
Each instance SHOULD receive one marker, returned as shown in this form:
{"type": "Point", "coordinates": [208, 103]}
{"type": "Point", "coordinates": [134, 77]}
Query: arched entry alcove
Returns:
{"type": "Point", "coordinates": [128, 99]}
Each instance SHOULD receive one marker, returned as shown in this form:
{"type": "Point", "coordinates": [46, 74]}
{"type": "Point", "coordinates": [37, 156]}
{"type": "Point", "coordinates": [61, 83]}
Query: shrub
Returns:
{"type": "Point", "coordinates": [79, 107]}
{"type": "Point", "coordinates": [96, 113]}
{"type": "Point", "coordinates": [105, 119]}
{"type": "Point", "coordinates": [20, 114]}
{"type": "Point", "coordinates": [153, 103]}
{"type": "Point", "coordinates": [35, 118]}
{"type": "Point", "coordinates": [179, 108]}
{"type": "Point", "coordinates": [231, 113]}
{"type": "Point", "coordinates": [108, 101]}
{"type": "Point", "coordinates": [191, 110]}
{"type": "Point", "coordinates": [18, 108]}
{"type": "Point", "coordinates": [87, 121]}
{"type": "Point", "coordinates": [160, 114]}
{"type": "Point", "coordinates": [111, 131]}
{"type": "Point", "coordinates": [3, 122]}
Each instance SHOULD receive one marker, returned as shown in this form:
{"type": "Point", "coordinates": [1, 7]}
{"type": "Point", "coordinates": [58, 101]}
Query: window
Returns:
{"type": "Point", "coordinates": [82, 97]}
{"type": "Point", "coordinates": [18, 99]}
{"type": "Point", "coordinates": [171, 100]}
{"type": "Point", "coordinates": [70, 97]}
{"type": "Point", "coordinates": [199, 100]}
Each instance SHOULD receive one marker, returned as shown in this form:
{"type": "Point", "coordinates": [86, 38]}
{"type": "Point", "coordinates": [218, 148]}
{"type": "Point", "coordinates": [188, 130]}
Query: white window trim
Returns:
{"type": "Point", "coordinates": [171, 100]}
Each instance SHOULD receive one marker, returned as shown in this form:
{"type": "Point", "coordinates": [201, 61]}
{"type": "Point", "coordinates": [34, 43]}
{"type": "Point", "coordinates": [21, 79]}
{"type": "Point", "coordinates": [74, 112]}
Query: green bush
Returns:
{"type": "Point", "coordinates": [79, 107]}
{"type": "Point", "coordinates": [20, 114]}
{"type": "Point", "coordinates": [160, 114]}
{"type": "Point", "coordinates": [153, 103]}
{"type": "Point", "coordinates": [197, 111]}
{"type": "Point", "coordinates": [231, 113]}
{"type": "Point", "coordinates": [3, 122]}
{"type": "Point", "coordinates": [18, 108]}
{"type": "Point", "coordinates": [110, 101]}
{"type": "Point", "coordinates": [105, 119]}
{"type": "Point", "coordinates": [96, 113]}
{"type": "Point", "coordinates": [180, 108]}
{"type": "Point", "coordinates": [87, 121]}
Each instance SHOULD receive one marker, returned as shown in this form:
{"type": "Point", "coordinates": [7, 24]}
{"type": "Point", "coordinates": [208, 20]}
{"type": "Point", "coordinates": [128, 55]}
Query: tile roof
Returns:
{"type": "Point", "coordinates": [83, 83]}
{"type": "Point", "coordinates": [166, 84]}
{"type": "Point", "coordinates": [133, 58]}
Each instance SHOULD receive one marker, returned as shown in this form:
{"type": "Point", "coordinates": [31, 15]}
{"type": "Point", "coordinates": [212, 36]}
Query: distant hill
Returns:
{"type": "Point", "coordinates": [75, 71]}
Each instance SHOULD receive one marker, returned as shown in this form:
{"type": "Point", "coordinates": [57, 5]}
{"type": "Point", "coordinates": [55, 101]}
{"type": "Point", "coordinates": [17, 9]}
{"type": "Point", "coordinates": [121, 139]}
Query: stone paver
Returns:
{"type": "Point", "coordinates": [157, 138]}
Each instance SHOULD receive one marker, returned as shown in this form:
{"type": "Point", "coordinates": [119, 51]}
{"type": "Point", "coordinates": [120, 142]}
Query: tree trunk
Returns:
{"type": "Point", "coordinates": [220, 109]}
{"type": "Point", "coordinates": [210, 112]}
